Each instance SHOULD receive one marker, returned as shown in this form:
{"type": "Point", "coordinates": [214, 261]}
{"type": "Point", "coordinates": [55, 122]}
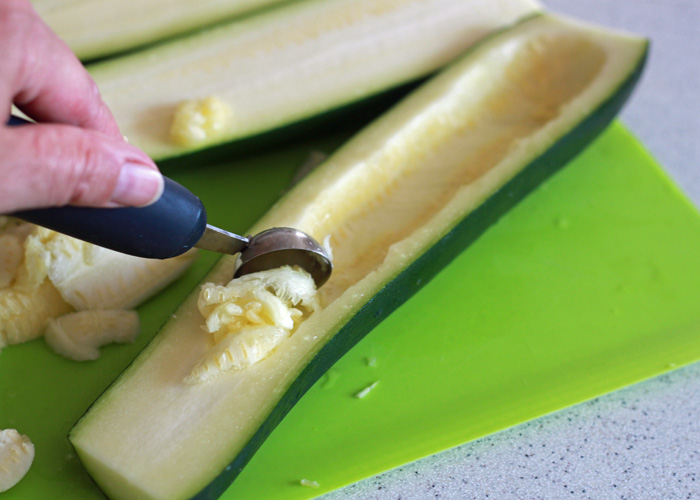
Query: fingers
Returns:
{"type": "Point", "coordinates": [43, 77]}
{"type": "Point", "coordinates": [83, 162]}
{"type": "Point", "coordinates": [55, 165]}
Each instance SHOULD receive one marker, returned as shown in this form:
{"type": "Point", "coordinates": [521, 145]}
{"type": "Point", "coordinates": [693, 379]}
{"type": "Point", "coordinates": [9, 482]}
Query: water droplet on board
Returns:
{"type": "Point", "coordinates": [562, 222]}
{"type": "Point", "coordinates": [330, 378]}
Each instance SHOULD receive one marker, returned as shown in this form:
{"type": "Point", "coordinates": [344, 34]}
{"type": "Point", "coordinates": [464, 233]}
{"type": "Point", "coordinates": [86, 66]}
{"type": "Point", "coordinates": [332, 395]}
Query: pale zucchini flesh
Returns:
{"type": "Point", "coordinates": [291, 63]}
{"type": "Point", "coordinates": [98, 28]}
{"type": "Point", "coordinates": [419, 185]}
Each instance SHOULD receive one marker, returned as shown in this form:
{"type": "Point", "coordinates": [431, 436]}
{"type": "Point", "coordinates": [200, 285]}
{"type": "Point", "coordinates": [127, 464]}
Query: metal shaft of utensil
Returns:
{"type": "Point", "coordinates": [218, 240]}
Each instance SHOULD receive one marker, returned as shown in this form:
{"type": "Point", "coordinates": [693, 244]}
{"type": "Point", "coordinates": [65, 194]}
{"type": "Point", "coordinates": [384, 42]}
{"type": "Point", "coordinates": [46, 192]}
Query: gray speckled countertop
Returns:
{"type": "Point", "coordinates": [642, 442]}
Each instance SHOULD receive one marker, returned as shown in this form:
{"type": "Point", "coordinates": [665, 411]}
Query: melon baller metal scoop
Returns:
{"type": "Point", "coordinates": [176, 223]}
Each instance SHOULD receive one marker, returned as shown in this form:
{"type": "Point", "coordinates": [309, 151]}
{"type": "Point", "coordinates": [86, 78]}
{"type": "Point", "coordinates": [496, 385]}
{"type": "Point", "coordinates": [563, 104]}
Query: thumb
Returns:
{"type": "Point", "coordinates": [55, 165]}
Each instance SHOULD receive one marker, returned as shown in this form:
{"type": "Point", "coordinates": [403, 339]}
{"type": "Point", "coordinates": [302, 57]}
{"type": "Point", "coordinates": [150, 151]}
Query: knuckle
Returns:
{"type": "Point", "coordinates": [94, 176]}
{"type": "Point", "coordinates": [27, 47]}
{"type": "Point", "coordinates": [83, 171]}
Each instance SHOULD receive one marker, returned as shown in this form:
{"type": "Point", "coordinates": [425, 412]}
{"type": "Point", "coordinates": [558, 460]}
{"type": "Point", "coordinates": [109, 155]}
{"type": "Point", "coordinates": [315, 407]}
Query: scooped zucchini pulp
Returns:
{"type": "Point", "coordinates": [396, 203]}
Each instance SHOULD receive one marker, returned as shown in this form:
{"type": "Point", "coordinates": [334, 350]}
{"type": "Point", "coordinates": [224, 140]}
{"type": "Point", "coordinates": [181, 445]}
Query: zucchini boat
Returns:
{"type": "Point", "coordinates": [286, 64]}
{"type": "Point", "coordinates": [396, 204]}
{"type": "Point", "coordinates": [98, 28]}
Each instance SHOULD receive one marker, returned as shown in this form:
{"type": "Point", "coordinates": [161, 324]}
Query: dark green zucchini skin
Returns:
{"type": "Point", "coordinates": [423, 269]}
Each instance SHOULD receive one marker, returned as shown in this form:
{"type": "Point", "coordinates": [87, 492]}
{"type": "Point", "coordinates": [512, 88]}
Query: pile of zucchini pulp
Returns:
{"type": "Point", "coordinates": [419, 184]}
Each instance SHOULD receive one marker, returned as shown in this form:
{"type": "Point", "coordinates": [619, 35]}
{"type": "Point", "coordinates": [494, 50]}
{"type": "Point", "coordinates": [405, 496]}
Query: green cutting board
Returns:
{"type": "Point", "coordinates": [591, 284]}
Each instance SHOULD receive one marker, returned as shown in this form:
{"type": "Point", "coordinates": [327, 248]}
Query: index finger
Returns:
{"type": "Point", "coordinates": [43, 77]}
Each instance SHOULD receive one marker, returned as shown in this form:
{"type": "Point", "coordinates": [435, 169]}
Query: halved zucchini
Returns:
{"type": "Point", "coordinates": [398, 202]}
{"type": "Point", "coordinates": [286, 64]}
{"type": "Point", "coordinates": [97, 28]}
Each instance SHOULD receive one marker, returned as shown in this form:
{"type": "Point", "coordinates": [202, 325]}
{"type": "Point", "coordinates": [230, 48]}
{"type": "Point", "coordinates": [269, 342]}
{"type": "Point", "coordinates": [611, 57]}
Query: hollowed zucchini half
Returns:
{"type": "Point", "coordinates": [397, 202]}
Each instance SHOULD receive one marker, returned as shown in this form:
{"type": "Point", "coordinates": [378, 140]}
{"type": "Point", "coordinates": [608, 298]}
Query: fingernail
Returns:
{"type": "Point", "coordinates": [138, 185]}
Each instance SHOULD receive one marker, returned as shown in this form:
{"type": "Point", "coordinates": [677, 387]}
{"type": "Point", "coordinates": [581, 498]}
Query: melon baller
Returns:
{"type": "Point", "coordinates": [176, 223]}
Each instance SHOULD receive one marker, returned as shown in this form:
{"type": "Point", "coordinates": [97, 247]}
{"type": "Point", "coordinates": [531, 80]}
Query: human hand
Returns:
{"type": "Point", "coordinates": [75, 154]}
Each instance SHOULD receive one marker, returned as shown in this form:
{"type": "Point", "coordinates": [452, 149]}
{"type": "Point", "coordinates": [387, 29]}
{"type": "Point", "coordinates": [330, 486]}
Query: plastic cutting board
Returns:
{"type": "Point", "coordinates": [590, 284]}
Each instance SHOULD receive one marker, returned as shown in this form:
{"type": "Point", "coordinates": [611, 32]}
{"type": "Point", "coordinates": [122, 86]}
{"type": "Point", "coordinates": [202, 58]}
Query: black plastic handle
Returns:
{"type": "Point", "coordinates": [167, 228]}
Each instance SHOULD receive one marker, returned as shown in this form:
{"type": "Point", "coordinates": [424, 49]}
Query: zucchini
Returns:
{"type": "Point", "coordinates": [284, 65]}
{"type": "Point", "coordinates": [98, 28]}
{"type": "Point", "coordinates": [397, 203]}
